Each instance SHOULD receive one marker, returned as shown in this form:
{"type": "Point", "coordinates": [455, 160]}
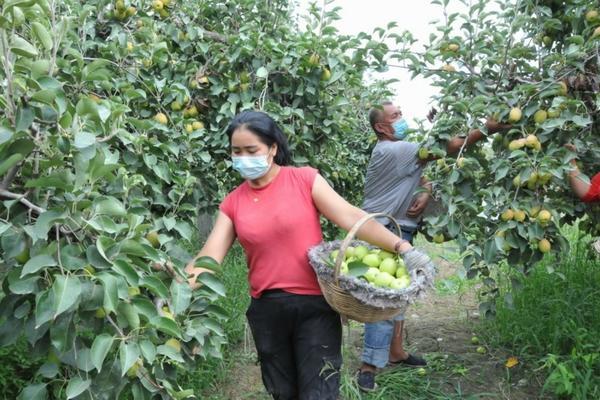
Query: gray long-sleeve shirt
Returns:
{"type": "Point", "coordinates": [393, 175]}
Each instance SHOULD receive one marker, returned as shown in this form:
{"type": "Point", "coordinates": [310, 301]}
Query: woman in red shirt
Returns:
{"type": "Point", "coordinates": [274, 214]}
{"type": "Point", "coordinates": [584, 188]}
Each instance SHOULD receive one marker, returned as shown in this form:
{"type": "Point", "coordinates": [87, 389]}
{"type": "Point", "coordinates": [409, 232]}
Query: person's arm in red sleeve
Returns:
{"type": "Point", "coordinates": [593, 193]}
{"type": "Point", "coordinates": [588, 191]}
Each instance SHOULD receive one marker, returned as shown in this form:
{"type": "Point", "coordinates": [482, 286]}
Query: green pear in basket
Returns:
{"type": "Point", "coordinates": [400, 283]}
{"type": "Point", "coordinates": [383, 279]}
{"type": "Point", "coordinates": [386, 254]}
{"type": "Point", "coordinates": [360, 252]}
{"type": "Point", "coordinates": [372, 260]}
{"type": "Point", "coordinates": [401, 271]}
{"type": "Point", "coordinates": [344, 268]}
{"type": "Point", "coordinates": [371, 274]}
{"type": "Point", "coordinates": [333, 255]}
{"type": "Point", "coordinates": [388, 265]}
{"type": "Point", "coordinates": [349, 252]}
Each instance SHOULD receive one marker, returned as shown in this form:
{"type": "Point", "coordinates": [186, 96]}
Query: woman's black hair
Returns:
{"type": "Point", "coordinates": [263, 126]}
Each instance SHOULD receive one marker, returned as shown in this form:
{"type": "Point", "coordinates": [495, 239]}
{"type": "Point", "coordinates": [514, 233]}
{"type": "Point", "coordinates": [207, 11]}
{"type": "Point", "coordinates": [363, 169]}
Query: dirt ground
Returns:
{"type": "Point", "coordinates": [440, 328]}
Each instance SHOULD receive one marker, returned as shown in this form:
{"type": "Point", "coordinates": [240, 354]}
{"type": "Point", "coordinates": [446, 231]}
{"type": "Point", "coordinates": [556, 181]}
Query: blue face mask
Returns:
{"type": "Point", "coordinates": [251, 167]}
{"type": "Point", "coordinates": [400, 128]}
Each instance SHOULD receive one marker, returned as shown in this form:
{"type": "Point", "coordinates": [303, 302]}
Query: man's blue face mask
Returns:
{"type": "Point", "coordinates": [400, 129]}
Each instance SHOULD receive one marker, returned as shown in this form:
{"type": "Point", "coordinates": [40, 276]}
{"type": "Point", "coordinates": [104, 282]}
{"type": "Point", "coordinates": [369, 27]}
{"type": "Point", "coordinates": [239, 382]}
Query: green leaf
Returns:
{"type": "Point", "coordinates": [76, 386]}
{"type": "Point", "coordinates": [48, 370]}
{"type": "Point", "coordinates": [581, 120]}
{"type": "Point", "coordinates": [84, 139]}
{"type": "Point", "coordinates": [262, 72]}
{"type": "Point", "coordinates": [100, 348]}
{"type": "Point", "coordinates": [24, 120]}
{"type": "Point", "coordinates": [84, 358]}
{"type": "Point", "coordinates": [111, 298]}
{"type": "Point", "coordinates": [212, 282]}
{"type": "Point", "coordinates": [489, 251]}
{"type": "Point", "coordinates": [103, 223]}
{"type": "Point", "coordinates": [213, 325]}
{"type": "Point", "coordinates": [44, 307]}
{"type": "Point", "coordinates": [170, 353]}
{"type": "Point", "coordinates": [123, 268]}
{"type": "Point", "coordinates": [34, 392]}
{"type": "Point", "coordinates": [133, 248]}
{"type": "Point", "coordinates": [61, 179]}
{"type": "Point", "coordinates": [110, 206]}
{"type": "Point", "coordinates": [185, 230]}
{"type": "Point", "coordinates": [23, 48]}
{"type": "Point", "coordinates": [104, 244]}
{"type": "Point", "coordinates": [5, 135]}
{"type": "Point", "coordinates": [167, 326]}
{"type": "Point", "coordinates": [128, 311]}
{"type": "Point", "coordinates": [45, 96]}
{"type": "Point", "coordinates": [128, 355]}
{"type": "Point", "coordinates": [144, 307]}
{"type": "Point", "coordinates": [42, 35]}
{"type": "Point", "coordinates": [148, 350]}
{"type": "Point", "coordinates": [155, 285]}
{"type": "Point", "coordinates": [357, 269]}
{"type": "Point", "coordinates": [44, 223]}
{"type": "Point", "coordinates": [10, 162]}
{"type": "Point", "coordinates": [85, 107]}
{"type": "Point", "coordinates": [36, 263]}
{"type": "Point", "coordinates": [22, 146]}
{"type": "Point", "coordinates": [183, 394]}
{"type": "Point", "coordinates": [21, 3]}
{"type": "Point", "coordinates": [4, 227]}
{"type": "Point", "coordinates": [19, 285]}
{"type": "Point", "coordinates": [66, 290]}
{"type": "Point", "coordinates": [181, 294]}
{"type": "Point", "coordinates": [208, 263]}
{"type": "Point", "coordinates": [169, 222]}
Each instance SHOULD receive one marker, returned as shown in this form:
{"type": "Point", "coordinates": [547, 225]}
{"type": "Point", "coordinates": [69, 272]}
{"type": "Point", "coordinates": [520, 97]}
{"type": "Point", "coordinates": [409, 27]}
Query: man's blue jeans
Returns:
{"type": "Point", "coordinates": [378, 335]}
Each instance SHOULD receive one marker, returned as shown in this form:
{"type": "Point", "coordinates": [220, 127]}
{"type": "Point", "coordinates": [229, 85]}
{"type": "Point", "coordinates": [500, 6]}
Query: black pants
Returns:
{"type": "Point", "coordinates": [298, 339]}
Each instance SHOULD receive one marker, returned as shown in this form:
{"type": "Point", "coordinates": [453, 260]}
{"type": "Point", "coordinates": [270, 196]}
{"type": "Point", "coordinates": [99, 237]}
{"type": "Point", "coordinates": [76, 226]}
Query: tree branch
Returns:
{"type": "Point", "coordinates": [214, 35]}
{"type": "Point", "coordinates": [11, 108]}
{"type": "Point", "coordinates": [22, 200]}
{"type": "Point", "coordinates": [8, 178]}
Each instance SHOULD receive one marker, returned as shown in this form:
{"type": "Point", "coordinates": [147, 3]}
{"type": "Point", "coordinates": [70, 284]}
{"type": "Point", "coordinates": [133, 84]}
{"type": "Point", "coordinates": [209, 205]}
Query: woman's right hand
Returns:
{"type": "Point", "coordinates": [193, 272]}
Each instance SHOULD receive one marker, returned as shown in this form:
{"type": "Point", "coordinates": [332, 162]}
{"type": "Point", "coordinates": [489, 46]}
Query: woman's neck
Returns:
{"type": "Point", "coordinates": [265, 179]}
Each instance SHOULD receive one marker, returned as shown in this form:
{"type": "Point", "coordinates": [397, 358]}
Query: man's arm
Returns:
{"type": "Point", "coordinates": [420, 202]}
{"type": "Point", "coordinates": [457, 142]}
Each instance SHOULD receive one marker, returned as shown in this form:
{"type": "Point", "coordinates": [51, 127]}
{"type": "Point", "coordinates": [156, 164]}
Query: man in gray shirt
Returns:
{"type": "Point", "coordinates": [393, 177]}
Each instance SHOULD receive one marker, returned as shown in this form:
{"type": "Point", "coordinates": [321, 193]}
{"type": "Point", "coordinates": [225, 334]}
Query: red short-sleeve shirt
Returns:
{"type": "Point", "coordinates": [593, 195]}
{"type": "Point", "coordinates": [276, 225]}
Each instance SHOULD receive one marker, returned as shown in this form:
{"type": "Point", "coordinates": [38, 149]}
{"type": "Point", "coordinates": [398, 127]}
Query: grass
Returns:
{"type": "Point", "coordinates": [554, 320]}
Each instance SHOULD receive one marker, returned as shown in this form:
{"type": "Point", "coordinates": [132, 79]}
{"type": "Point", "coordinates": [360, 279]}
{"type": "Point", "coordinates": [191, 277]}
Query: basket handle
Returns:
{"type": "Point", "coordinates": [350, 236]}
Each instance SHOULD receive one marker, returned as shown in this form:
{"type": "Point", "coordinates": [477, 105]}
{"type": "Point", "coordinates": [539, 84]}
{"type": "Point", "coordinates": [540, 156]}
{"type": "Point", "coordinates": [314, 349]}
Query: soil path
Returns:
{"type": "Point", "coordinates": [440, 327]}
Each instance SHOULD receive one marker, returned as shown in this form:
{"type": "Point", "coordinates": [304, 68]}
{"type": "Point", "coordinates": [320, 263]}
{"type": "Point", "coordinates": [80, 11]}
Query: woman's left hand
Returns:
{"type": "Point", "coordinates": [415, 259]}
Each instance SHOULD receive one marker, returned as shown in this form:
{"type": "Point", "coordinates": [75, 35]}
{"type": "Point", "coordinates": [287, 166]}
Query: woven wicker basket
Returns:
{"type": "Point", "coordinates": [344, 302]}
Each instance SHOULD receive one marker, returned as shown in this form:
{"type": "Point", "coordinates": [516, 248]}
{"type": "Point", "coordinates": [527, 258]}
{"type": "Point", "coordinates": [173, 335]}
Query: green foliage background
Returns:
{"type": "Point", "coordinates": [103, 172]}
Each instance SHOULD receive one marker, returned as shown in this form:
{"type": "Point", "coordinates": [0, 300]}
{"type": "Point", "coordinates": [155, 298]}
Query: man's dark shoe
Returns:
{"type": "Point", "coordinates": [411, 361]}
{"type": "Point", "coordinates": [366, 381]}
